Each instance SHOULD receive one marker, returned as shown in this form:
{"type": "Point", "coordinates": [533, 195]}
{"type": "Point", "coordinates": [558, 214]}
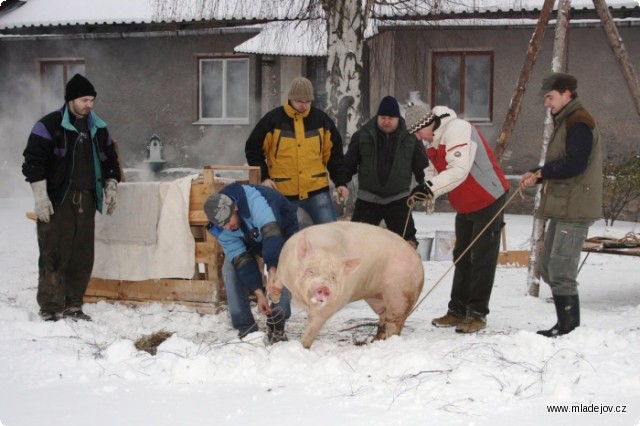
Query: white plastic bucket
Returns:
{"type": "Point", "coordinates": [444, 242]}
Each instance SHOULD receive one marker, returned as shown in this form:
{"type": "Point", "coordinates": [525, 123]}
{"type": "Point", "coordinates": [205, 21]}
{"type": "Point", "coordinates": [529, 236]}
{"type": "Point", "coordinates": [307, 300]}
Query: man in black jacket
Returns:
{"type": "Point", "coordinates": [385, 155]}
{"type": "Point", "coordinates": [72, 166]}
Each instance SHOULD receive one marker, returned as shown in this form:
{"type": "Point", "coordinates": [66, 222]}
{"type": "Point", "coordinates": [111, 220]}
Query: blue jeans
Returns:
{"type": "Point", "coordinates": [560, 256]}
{"type": "Point", "coordinates": [239, 305]}
{"type": "Point", "coordinates": [319, 207]}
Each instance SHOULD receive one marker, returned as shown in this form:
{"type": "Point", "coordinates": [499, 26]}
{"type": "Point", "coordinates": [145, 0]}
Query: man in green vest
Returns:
{"type": "Point", "coordinates": [385, 155]}
{"type": "Point", "coordinates": [571, 195]}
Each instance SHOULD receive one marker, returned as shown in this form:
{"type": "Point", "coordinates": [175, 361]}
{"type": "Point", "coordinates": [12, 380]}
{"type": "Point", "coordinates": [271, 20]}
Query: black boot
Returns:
{"type": "Point", "coordinates": [568, 312]}
{"type": "Point", "coordinates": [275, 331]}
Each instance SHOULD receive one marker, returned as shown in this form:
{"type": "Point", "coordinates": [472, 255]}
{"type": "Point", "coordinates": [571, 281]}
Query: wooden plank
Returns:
{"type": "Point", "coordinates": [116, 147]}
{"type": "Point", "coordinates": [198, 195]}
{"type": "Point", "coordinates": [199, 307]}
{"type": "Point", "coordinates": [165, 289]}
{"type": "Point", "coordinates": [515, 258]}
{"type": "Point", "coordinates": [206, 252]}
{"type": "Point", "coordinates": [253, 172]}
{"type": "Point", "coordinates": [99, 287]}
{"type": "Point", "coordinates": [198, 218]}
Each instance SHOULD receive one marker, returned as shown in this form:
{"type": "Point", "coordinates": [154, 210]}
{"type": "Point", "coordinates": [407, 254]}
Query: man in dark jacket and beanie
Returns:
{"type": "Point", "coordinates": [72, 166]}
{"type": "Point", "coordinates": [385, 155]}
{"type": "Point", "coordinates": [571, 195]}
{"type": "Point", "coordinates": [250, 221]}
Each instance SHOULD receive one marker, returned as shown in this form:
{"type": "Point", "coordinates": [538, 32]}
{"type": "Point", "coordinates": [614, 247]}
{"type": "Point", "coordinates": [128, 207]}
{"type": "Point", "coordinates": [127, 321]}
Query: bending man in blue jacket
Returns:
{"type": "Point", "coordinates": [250, 221]}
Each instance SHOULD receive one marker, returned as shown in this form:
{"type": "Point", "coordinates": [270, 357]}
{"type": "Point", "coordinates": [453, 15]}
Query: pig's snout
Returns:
{"type": "Point", "coordinates": [321, 294]}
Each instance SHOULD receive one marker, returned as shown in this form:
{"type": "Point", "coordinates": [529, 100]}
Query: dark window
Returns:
{"type": "Point", "coordinates": [463, 81]}
{"type": "Point", "coordinates": [223, 91]}
{"type": "Point", "coordinates": [54, 74]}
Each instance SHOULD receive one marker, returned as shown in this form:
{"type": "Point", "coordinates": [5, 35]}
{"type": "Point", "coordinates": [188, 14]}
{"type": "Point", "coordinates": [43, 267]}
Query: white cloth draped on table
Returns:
{"type": "Point", "coordinates": [148, 236]}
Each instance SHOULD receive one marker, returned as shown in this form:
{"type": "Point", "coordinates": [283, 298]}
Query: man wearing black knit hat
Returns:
{"type": "Point", "coordinates": [384, 155]}
{"type": "Point", "coordinates": [73, 168]}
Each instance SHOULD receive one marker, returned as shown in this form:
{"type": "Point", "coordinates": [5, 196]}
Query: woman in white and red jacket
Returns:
{"type": "Point", "coordinates": [467, 171]}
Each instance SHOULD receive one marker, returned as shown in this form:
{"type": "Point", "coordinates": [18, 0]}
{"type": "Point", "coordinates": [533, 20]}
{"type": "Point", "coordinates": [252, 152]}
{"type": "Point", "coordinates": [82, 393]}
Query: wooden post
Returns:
{"type": "Point", "coordinates": [615, 41]}
{"type": "Point", "coordinates": [558, 64]}
{"type": "Point", "coordinates": [530, 60]}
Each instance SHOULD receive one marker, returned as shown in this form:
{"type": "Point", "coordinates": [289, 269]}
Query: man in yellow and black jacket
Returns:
{"type": "Point", "coordinates": [298, 149]}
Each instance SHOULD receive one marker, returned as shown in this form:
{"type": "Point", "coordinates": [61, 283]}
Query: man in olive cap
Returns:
{"type": "Point", "coordinates": [571, 195]}
{"type": "Point", "coordinates": [250, 221]}
{"type": "Point", "coordinates": [72, 166]}
{"type": "Point", "coordinates": [298, 149]}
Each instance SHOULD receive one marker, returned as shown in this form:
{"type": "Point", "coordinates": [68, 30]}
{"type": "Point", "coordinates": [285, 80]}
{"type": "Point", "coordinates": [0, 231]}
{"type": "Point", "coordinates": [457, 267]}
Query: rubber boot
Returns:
{"type": "Point", "coordinates": [568, 312]}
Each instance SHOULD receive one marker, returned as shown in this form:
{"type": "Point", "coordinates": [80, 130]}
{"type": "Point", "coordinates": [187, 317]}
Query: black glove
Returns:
{"type": "Point", "coordinates": [423, 189]}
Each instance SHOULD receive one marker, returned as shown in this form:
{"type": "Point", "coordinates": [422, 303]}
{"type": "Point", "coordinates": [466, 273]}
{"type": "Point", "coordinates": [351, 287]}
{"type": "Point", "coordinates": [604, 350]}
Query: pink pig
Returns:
{"type": "Point", "coordinates": [327, 266]}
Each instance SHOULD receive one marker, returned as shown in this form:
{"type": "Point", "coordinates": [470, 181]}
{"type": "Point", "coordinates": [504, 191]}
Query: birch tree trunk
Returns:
{"type": "Point", "coordinates": [615, 41]}
{"type": "Point", "coordinates": [558, 64]}
{"type": "Point", "coordinates": [345, 33]}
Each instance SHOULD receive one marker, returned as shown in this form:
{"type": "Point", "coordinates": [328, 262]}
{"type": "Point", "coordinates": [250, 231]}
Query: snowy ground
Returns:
{"type": "Point", "coordinates": [69, 373]}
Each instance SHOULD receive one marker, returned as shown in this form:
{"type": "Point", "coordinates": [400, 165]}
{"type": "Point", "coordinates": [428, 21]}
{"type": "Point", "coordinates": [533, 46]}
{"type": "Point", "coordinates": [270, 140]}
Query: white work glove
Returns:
{"type": "Point", "coordinates": [43, 206]}
{"type": "Point", "coordinates": [110, 195]}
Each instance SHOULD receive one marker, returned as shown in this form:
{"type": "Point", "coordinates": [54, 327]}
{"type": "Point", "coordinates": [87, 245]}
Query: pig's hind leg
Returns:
{"type": "Point", "coordinates": [397, 306]}
{"type": "Point", "coordinates": [403, 282]}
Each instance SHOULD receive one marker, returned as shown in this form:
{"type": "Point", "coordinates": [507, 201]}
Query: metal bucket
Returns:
{"type": "Point", "coordinates": [424, 248]}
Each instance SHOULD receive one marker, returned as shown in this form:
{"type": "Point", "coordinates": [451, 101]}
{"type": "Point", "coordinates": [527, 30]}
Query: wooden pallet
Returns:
{"type": "Point", "coordinates": [205, 291]}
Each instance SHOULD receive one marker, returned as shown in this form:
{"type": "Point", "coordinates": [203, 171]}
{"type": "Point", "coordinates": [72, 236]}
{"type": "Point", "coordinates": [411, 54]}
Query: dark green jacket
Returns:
{"type": "Point", "coordinates": [579, 198]}
{"type": "Point", "coordinates": [406, 155]}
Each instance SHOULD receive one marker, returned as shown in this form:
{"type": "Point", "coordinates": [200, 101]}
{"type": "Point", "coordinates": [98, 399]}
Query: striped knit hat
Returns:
{"type": "Point", "coordinates": [418, 117]}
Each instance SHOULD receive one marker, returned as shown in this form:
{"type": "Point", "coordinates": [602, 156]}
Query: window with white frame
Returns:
{"type": "Point", "coordinates": [223, 91]}
{"type": "Point", "coordinates": [54, 75]}
{"type": "Point", "coordinates": [463, 81]}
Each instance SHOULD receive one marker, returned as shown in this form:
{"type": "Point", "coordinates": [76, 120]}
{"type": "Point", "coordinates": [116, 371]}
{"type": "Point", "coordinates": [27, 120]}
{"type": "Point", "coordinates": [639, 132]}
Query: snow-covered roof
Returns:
{"type": "Point", "coordinates": [76, 12]}
{"type": "Point", "coordinates": [263, 10]}
{"type": "Point", "coordinates": [430, 7]}
{"type": "Point", "coordinates": [288, 38]}
{"type": "Point", "coordinates": [308, 38]}
{"type": "Point", "coordinates": [43, 13]}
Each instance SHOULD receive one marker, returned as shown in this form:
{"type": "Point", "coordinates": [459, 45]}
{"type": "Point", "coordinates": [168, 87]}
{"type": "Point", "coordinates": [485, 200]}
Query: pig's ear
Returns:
{"type": "Point", "coordinates": [351, 265]}
{"type": "Point", "coordinates": [303, 247]}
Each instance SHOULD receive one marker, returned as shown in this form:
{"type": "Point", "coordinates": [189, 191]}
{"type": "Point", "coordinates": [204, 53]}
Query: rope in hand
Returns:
{"type": "Point", "coordinates": [411, 202]}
